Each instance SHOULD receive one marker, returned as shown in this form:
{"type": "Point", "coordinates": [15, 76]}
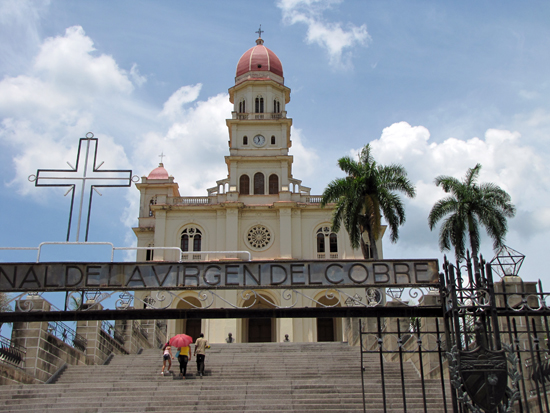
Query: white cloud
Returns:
{"type": "Point", "coordinates": [69, 63]}
{"type": "Point", "coordinates": [305, 159]}
{"type": "Point", "coordinates": [69, 89]}
{"type": "Point", "coordinates": [333, 37]}
{"type": "Point", "coordinates": [194, 143]}
{"type": "Point", "coordinates": [67, 92]}
{"type": "Point", "coordinates": [506, 161]}
{"type": "Point", "coordinates": [136, 76]}
{"type": "Point", "coordinates": [173, 107]}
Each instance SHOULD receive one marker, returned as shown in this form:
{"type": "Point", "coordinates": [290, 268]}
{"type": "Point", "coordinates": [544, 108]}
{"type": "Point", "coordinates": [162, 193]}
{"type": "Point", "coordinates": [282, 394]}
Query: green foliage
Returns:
{"type": "Point", "coordinates": [365, 195]}
{"type": "Point", "coordinates": [469, 206]}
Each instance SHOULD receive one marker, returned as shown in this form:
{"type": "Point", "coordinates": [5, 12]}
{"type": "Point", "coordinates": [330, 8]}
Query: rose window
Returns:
{"type": "Point", "coordinates": [258, 237]}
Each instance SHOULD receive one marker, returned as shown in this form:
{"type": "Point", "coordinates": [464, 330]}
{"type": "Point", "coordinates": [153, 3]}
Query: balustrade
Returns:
{"type": "Point", "coordinates": [11, 353]}
{"type": "Point", "coordinates": [66, 334]}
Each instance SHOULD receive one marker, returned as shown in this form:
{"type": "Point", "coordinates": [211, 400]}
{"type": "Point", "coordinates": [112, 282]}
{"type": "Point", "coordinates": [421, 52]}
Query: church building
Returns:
{"type": "Point", "coordinates": [259, 212]}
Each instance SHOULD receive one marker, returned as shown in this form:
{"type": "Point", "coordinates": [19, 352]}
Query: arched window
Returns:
{"type": "Point", "coordinates": [273, 184]}
{"type": "Point", "coordinates": [242, 106]}
{"type": "Point", "coordinates": [197, 242]}
{"type": "Point", "coordinates": [244, 185]}
{"type": "Point", "coordinates": [185, 242]}
{"type": "Point", "coordinates": [245, 140]}
{"type": "Point", "coordinates": [321, 244]}
{"type": "Point", "coordinates": [259, 184]}
{"type": "Point", "coordinates": [273, 140]}
{"type": "Point", "coordinates": [259, 104]}
{"type": "Point", "coordinates": [333, 243]}
{"type": "Point", "coordinates": [327, 243]}
{"type": "Point", "coordinates": [191, 238]}
{"type": "Point", "coordinates": [276, 106]}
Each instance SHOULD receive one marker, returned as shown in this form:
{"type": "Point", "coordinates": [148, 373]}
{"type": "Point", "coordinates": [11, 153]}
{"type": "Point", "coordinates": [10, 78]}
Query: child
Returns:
{"type": "Point", "coordinates": [167, 357]}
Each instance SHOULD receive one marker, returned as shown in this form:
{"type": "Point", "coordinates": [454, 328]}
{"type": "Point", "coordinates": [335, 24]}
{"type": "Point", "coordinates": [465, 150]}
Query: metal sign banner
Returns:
{"type": "Point", "coordinates": [21, 277]}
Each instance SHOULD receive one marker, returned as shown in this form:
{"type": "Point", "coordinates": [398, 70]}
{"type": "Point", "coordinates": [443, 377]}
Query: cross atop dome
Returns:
{"type": "Point", "coordinates": [259, 40]}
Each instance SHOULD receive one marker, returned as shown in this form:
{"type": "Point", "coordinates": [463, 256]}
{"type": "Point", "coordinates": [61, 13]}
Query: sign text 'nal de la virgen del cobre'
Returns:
{"type": "Point", "coordinates": [176, 275]}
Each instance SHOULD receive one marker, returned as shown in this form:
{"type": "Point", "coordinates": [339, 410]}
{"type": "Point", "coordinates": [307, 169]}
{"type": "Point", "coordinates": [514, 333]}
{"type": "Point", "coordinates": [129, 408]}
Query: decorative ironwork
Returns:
{"type": "Point", "coordinates": [483, 372]}
{"type": "Point", "coordinates": [507, 261]}
{"type": "Point", "coordinates": [541, 372]}
{"type": "Point", "coordinates": [111, 331]}
{"type": "Point", "coordinates": [67, 178]}
{"type": "Point", "coordinates": [472, 385]}
{"type": "Point", "coordinates": [66, 334]}
{"type": "Point", "coordinates": [142, 331]}
{"type": "Point", "coordinates": [11, 353]}
{"type": "Point", "coordinates": [374, 297]}
{"type": "Point", "coordinates": [395, 292]}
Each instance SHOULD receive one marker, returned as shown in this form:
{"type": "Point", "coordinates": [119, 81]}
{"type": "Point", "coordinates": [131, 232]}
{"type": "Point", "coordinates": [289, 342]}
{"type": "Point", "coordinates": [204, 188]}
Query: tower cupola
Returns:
{"type": "Point", "coordinates": [260, 63]}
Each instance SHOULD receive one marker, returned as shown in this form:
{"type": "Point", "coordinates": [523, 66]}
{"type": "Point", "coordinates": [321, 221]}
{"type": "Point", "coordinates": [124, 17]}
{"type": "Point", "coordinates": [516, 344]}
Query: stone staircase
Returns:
{"type": "Point", "coordinates": [266, 377]}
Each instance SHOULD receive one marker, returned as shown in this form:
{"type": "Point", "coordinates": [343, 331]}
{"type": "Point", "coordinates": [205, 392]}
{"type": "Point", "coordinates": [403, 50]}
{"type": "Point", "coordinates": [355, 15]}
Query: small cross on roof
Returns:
{"type": "Point", "coordinates": [260, 31]}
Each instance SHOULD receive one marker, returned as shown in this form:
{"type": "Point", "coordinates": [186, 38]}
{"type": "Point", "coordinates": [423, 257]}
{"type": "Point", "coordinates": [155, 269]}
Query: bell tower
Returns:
{"type": "Point", "coordinates": [259, 130]}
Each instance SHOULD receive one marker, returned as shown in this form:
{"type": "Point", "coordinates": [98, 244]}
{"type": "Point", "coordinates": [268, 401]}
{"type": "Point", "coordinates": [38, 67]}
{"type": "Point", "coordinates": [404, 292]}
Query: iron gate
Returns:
{"type": "Point", "coordinates": [486, 351]}
{"type": "Point", "coordinates": [463, 343]}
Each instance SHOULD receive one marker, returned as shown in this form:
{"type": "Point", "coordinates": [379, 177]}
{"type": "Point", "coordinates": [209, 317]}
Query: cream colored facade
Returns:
{"type": "Point", "coordinates": [259, 207]}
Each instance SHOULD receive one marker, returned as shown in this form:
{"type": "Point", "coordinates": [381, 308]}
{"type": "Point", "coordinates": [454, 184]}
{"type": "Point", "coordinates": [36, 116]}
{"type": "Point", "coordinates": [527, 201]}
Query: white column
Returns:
{"type": "Point", "coordinates": [160, 234]}
{"type": "Point", "coordinates": [220, 231]}
{"type": "Point", "coordinates": [231, 229]}
{"type": "Point", "coordinates": [285, 229]}
{"type": "Point", "coordinates": [297, 247]}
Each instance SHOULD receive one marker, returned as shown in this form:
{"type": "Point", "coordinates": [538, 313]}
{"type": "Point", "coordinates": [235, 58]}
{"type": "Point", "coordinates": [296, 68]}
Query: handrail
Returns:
{"type": "Point", "coordinates": [144, 248]}
{"type": "Point", "coordinates": [12, 353]}
{"type": "Point", "coordinates": [113, 248]}
{"type": "Point", "coordinates": [247, 253]}
{"type": "Point", "coordinates": [66, 334]}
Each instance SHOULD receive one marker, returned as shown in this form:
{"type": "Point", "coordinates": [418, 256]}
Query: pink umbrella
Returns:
{"type": "Point", "coordinates": [181, 340]}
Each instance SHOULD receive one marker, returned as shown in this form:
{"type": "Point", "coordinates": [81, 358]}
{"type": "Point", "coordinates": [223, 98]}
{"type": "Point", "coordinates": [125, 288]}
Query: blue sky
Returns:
{"type": "Point", "coordinates": [435, 86]}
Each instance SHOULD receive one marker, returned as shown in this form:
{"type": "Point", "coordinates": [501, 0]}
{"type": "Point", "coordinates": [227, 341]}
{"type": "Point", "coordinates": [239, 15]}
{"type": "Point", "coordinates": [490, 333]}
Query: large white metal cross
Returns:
{"type": "Point", "coordinates": [70, 178]}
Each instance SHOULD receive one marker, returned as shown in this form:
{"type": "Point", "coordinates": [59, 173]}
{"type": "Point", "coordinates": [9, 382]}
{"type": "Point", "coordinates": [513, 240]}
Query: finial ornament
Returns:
{"type": "Point", "coordinates": [162, 155]}
{"type": "Point", "coordinates": [260, 31]}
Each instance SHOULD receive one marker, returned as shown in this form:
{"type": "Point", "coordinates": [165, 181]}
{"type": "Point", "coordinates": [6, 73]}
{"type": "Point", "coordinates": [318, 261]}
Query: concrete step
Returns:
{"type": "Point", "coordinates": [266, 377]}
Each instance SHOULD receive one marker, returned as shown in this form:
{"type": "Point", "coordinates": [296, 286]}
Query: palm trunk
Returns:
{"type": "Point", "coordinates": [365, 247]}
{"type": "Point", "coordinates": [475, 257]}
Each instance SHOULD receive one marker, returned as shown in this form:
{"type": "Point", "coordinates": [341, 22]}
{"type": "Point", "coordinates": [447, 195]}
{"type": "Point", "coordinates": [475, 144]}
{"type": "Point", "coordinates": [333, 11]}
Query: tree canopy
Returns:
{"type": "Point", "coordinates": [364, 196]}
{"type": "Point", "coordinates": [469, 206]}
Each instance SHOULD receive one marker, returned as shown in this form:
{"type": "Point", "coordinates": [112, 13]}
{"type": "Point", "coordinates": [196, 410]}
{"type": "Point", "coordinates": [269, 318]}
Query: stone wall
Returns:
{"type": "Point", "coordinates": [14, 375]}
{"type": "Point", "coordinates": [135, 336]}
{"type": "Point", "coordinates": [45, 352]}
{"type": "Point", "coordinates": [99, 343]}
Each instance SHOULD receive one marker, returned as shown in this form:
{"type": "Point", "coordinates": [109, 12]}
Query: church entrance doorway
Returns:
{"type": "Point", "coordinates": [191, 327]}
{"type": "Point", "coordinates": [329, 329]}
{"type": "Point", "coordinates": [259, 330]}
{"type": "Point", "coordinates": [325, 329]}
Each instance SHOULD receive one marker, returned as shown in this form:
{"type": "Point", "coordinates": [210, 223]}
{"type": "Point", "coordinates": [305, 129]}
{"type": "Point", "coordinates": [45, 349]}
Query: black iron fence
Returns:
{"type": "Point", "coordinates": [403, 364]}
{"type": "Point", "coordinates": [12, 353]}
{"type": "Point", "coordinates": [498, 340]}
{"type": "Point", "coordinates": [112, 332]}
{"type": "Point", "coordinates": [65, 333]}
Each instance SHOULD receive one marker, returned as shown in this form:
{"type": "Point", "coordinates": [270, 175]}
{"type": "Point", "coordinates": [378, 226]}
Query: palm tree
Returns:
{"type": "Point", "coordinates": [468, 206]}
{"type": "Point", "coordinates": [364, 196]}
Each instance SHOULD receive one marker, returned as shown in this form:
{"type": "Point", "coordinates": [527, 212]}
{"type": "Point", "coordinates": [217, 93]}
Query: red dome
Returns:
{"type": "Point", "coordinates": [158, 173]}
{"type": "Point", "coordinates": [259, 59]}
